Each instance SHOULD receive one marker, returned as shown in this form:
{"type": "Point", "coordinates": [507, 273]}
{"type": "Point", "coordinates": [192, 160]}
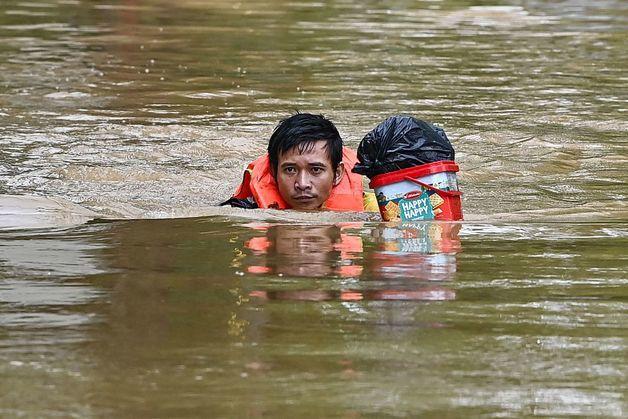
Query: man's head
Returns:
{"type": "Point", "coordinates": [305, 153]}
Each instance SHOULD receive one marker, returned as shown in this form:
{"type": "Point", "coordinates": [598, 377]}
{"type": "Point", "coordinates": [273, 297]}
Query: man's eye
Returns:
{"type": "Point", "coordinates": [290, 170]}
{"type": "Point", "coordinates": [317, 170]}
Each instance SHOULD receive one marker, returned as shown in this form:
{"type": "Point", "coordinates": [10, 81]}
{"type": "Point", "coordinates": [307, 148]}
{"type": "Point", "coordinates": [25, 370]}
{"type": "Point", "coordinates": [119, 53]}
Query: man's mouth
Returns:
{"type": "Point", "coordinates": [304, 198]}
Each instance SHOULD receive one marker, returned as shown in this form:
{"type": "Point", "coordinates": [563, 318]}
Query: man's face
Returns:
{"type": "Point", "coordinates": [305, 180]}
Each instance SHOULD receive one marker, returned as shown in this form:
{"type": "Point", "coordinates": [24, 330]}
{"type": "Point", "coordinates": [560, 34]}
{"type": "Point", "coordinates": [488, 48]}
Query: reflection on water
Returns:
{"type": "Point", "coordinates": [425, 251]}
{"type": "Point", "coordinates": [337, 251]}
{"type": "Point", "coordinates": [310, 251]}
{"type": "Point", "coordinates": [196, 315]}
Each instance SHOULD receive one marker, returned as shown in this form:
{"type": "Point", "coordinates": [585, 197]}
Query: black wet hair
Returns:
{"type": "Point", "coordinates": [302, 130]}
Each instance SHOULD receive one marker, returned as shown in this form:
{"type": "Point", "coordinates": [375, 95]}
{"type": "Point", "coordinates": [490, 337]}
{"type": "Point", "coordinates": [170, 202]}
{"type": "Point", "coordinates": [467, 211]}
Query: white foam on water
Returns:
{"type": "Point", "coordinates": [22, 211]}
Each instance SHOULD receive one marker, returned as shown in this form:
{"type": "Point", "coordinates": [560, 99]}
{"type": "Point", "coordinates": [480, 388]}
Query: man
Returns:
{"type": "Point", "coordinates": [306, 168]}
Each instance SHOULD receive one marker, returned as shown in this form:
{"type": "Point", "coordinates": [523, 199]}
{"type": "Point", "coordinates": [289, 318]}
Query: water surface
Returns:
{"type": "Point", "coordinates": [143, 111]}
{"type": "Point", "coordinates": [206, 316]}
{"type": "Point", "coordinates": [143, 108]}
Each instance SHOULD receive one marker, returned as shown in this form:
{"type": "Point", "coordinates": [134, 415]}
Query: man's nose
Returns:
{"type": "Point", "coordinates": [302, 181]}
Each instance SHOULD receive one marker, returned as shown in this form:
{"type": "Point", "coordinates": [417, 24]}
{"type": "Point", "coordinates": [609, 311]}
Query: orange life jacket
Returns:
{"type": "Point", "coordinates": [260, 184]}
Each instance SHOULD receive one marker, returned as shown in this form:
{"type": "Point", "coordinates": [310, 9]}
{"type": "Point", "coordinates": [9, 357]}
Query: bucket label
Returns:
{"type": "Point", "coordinates": [416, 206]}
{"type": "Point", "coordinates": [395, 200]}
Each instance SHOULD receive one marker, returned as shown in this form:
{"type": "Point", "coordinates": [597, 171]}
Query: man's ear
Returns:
{"type": "Point", "coordinates": [340, 172]}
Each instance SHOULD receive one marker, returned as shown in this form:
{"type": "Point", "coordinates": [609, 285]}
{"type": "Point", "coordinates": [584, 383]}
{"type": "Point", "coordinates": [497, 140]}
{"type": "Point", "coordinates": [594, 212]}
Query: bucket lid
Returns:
{"type": "Point", "coordinates": [414, 172]}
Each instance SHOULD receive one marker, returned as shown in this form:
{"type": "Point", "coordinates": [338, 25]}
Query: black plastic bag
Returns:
{"type": "Point", "coordinates": [401, 142]}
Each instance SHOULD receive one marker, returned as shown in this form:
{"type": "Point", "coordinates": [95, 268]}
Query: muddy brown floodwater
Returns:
{"type": "Point", "coordinates": [125, 291]}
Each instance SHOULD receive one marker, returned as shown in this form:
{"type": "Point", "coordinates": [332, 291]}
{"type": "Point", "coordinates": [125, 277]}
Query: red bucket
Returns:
{"type": "Point", "coordinates": [426, 192]}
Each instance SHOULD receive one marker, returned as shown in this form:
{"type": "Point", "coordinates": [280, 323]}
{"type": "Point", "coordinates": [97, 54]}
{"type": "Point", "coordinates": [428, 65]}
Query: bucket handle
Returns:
{"type": "Point", "coordinates": [428, 186]}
